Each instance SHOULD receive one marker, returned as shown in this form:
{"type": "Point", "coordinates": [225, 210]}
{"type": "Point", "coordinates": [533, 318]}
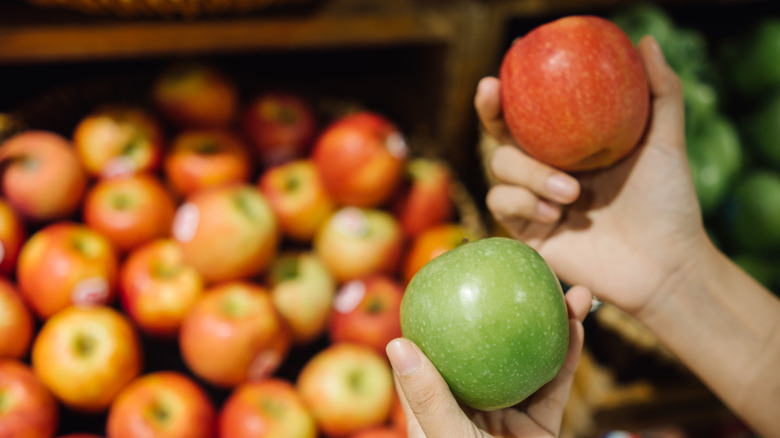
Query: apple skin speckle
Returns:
{"type": "Point", "coordinates": [491, 316]}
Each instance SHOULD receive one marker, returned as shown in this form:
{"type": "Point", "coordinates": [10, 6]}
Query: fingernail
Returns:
{"type": "Point", "coordinates": [546, 212]}
{"type": "Point", "coordinates": [657, 50]}
{"type": "Point", "coordinates": [403, 356]}
{"type": "Point", "coordinates": [561, 186]}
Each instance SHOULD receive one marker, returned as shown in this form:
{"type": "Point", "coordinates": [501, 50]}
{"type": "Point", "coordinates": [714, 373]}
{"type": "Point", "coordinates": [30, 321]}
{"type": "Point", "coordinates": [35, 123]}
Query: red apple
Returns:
{"type": "Point", "coordinates": [86, 355]}
{"type": "Point", "coordinates": [164, 404]}
{"type": "Point", "coordinates": [427, 198]}
{"type": "Point", "coordinates": [27, 408]}
{"type": "Point", "coordinates": [157, 289]}
{"type": "Point", "coordinates": [227, 233]}
{"type": "Point", "coordinates": [366, 312]}
{"type": "Point", "coordinates": [281, 126]}
{"type": "Point", "coordinates": [266, 409]}
{"type": "Point", "coordinates": [13, 233]}
{"type": "Point", "coordinates": [129, 210]}
{"type": "Point", "coordinates": [575, 93]}
{"type": "Point", "coordinates": [379, 432]}
{"type": "Point", "coordinates": [298, 198]}
{"type": "Point", "coordinates": [16, 323]}
{"type": "Point", "coordinates": [80, 435]}
{"type": "Point", "coordinates": [42, 177]}
{"type": "Point", "coordinates": [200, 159]}
{"type": "Point", "coordinates": [398, 417]}
{"type": "Point", "coordinates": [118, 140]}
{"type": "Point", "coordinates": [63, 264]}
{"type": "Point", "coordinates": [348, 388]}
{"type": "Point", "coordinates": [233, 334]}
{"type": "Point", "coordinates": [430, 244]}
{"type": "Point", "coordinates": [195, 95]}
{"type": "Point", "coordinates": [302, 289]}
{"type": "Point", "coordinates": [361, 158]}
{"type": "Point", "coordinates": [356, 242]}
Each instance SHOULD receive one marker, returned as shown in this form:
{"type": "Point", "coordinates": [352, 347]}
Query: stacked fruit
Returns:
{"type": "Point", "coordinates": [731, 87]}
{"type": "Point", "coordinates": [239, 237]}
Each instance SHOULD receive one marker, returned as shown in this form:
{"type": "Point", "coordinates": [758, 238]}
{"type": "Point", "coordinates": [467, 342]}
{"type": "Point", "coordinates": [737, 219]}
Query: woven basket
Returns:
{"type": "Point", "coordinates": [165, 8]}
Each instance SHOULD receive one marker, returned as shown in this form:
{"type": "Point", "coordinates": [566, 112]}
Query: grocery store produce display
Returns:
{"type": "Point", "coordinates": [176, 266]}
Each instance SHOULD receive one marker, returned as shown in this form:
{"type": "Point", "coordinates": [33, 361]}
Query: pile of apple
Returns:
{"type": "Point", "coordinates": [236, 235]}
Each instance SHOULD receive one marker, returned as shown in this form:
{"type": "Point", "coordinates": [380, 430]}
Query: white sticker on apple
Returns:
{"type": "Point", "coordinates": [351, 221]}
{"type": "Point", "coordinates": [349, 296]}
{"type": "Point", "coordinates": [396, 145]}
{"type": "Point", "coordinates": [90, 291]}
{"type": "Point", "coordinates": [185, 223]}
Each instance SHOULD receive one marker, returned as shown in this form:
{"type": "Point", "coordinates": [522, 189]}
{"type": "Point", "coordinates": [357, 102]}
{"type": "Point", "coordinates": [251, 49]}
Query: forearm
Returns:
{"type": "Point", "coordinates": [725, 327]}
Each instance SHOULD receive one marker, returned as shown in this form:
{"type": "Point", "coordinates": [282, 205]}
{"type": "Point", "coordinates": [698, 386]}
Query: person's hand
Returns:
{"type": "Point", "coordinates": [621, 231]}
{"type": "Point", "coordinates": [431, 410]}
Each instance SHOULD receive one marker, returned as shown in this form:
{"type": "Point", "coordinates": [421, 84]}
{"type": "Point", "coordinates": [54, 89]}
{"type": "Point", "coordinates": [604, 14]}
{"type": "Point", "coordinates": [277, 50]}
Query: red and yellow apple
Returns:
{"type": "Point", "coordinates": [227, 233]}
{"type": "Point", "coordinates": [13, 233]}
{"type": "Point", "coordinates": [366, 312]}
{"type": "Point", "coordinates": [361, 159]}
{"type": "Point", "coordinates": [63, 264]}
{"type": "Point", "coordinates": [266, 409]}
{"type": "Point", "coordinates": [157, 288]}
{"type": "Point", "coordinates": [379, 432]}
{"type": "Point", "coordinates": [575, 93]}
{"type": "Point", "coordinates": [302, 289]}
{"type": "Point", "coordinates": [118, 140]}
{"type": "Point", "coordinates": [297, 197]}
{"type": "Point", "coordinates": [430, 244]}
{"type": "Point", "coordinates": [426, 200]}
{"type": "Point", "coordinates": [347, 388]}
{"type": "Point", "coordinates": [233, 334]}
{"type": "Point", "coordinates": [129, 210]}
{"type": "Point", "coordinates": [27, 408]}
{"type": "Point", "coordinates": [164, 404]}
{"type": "Point", "coordinates": [42, 179]}
{"type": "Point", "coordinates": [280, 125]}
{"type": "Point", "coordinates": [198, 159]}
{"type": "Point", "coordinates": [86, 355]}
{"type": "Point", "coordinates": [195, 95]}
{"type": "Point", "coordinates": [356, 242]}
{"type": "Point", "coordinates": [17, 325]}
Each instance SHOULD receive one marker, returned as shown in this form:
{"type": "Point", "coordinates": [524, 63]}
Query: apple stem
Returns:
{"type": "Point", "coordinates": [84, 344]}
{"type": "Point", "coordinates": [208, 147]}
{"type": "Point", "coordinates": [355, 380]}
{"type": "Point", "coordinates": [160, 413]}
{"type": "Point", "coordinates": [374, 306]}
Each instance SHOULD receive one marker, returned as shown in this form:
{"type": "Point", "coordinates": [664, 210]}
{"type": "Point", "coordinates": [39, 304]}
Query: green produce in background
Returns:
{"type": "Point", "coordinates": [764, 269]}
{"type": "Point", "coordinates": [752, 213]}
{"type": "Point", "coordinates": [762, 130]}
{"type": "Point", "coordinates": [715, 157]}
{"type": "Point", "coordinates": [751, 60]}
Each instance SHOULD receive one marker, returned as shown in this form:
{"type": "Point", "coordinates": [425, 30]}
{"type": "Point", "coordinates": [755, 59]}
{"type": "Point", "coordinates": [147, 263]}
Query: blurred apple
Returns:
{"type": "Point", "coordinates": [80, 435]}
{"type": "Point", "coordinates": [302, 289]}
{"type": "Point", "coordinates": [430, 244]}
{"type": "Point", "coordinates": [42, 178]}
{"type": "Point", "coordinates": [361, 158]}
{"type": "Point", "coordinates": [27, 408]}
{"type": "Point", "coordinates": [129, 210]}
{"type": "Point", "coordinates": [63, 264]}
{"type": "Point", "coordinates": [157, 289]}
{"type": "Point", "coordinates": [266, 409]}
{"type": "Point", "coordinates": [200, 159]}
{"type": "Point", "coordinates": [195, 95]}
{"type": "Point", "coordinates": [298, 198]}
{"type": "Point", "coordinates": [355, 242]}
{"type": "Point", "coordinates": [761, 129]}
{"type": "Point", "coordinates": [86, 355]}
{"type": "Point", "coordinates": [16, 323]}
{"type": "Point", "coordinates": [398, 416]}
{"type": "Point", "coordinates": [752, 212]}
{"type": "Point", "coordinates": [164, 404]}
{"type": "Point", "coordinates": [13, 233]}
{"type": "Point", "coordinates": [227, 233]}
{"type": "Point", "coordinates": [348, 388]}
{"type": "Point", "coordinates": [281, 126]}
{"type": "Point", "coordinates": [233, 334]}
{"type": "Point", "coordinates": [366, 312]}
{"type": "Point", "coordinates": [379, 432]}
{"type": "Point", "coordinates": [118, 140]}
{"type": "Point", "coordinates": [427, 198]}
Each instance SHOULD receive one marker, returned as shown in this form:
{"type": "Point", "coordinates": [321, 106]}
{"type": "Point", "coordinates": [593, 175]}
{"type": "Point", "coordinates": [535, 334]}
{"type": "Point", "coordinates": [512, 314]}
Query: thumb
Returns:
{"type": "Point", "coordinates": [427, 395]}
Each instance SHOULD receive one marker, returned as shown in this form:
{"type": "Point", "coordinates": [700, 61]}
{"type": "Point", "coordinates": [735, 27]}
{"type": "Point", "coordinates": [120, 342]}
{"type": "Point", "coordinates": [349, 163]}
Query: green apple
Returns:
{"type": "Point", "coordinates": [640, 19]}
{"type": "Point", "coordinates": [762, 130]}
{"type": "Point", "coordinates": [715, 157]}
{"type": "Point", "coordinates": [750, 59]}
{"type": "Point", "coordinates": [490, 315]}
{"type": "Point", "coordinates": [752, 213]}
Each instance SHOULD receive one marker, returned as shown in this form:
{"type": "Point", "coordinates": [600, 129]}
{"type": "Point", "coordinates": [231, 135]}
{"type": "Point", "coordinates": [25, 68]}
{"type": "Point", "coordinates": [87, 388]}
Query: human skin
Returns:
{"type": "Point", "coordinates": [643, 216]}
